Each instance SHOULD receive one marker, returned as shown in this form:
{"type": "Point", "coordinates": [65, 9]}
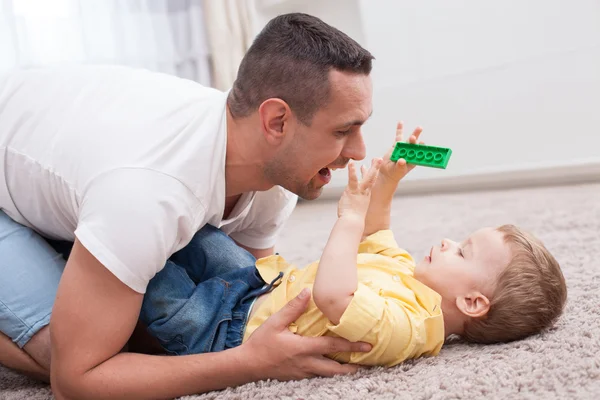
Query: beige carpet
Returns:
{"type": "Point", "coordinates": [563, 363]}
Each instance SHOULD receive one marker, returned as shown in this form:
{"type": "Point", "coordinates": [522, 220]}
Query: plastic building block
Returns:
{"type": "Point", "coordinates": [420, 154]}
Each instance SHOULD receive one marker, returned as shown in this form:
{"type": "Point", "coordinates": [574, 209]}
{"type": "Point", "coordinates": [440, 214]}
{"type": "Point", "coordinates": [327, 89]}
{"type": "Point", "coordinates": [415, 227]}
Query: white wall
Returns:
{"type": "Point", "coordinates": [508, 85]}
{"type": "Point", "coordinates": [343, 14]}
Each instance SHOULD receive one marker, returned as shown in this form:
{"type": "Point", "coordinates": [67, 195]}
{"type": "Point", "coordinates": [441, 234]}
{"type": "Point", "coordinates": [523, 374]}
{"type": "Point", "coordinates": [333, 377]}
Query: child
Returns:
{"type": "Point", "coordinates": [497, 285]}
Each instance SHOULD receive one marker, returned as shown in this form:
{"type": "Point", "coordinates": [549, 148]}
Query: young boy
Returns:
{"type": "Point", "coordinates": [497, 285]}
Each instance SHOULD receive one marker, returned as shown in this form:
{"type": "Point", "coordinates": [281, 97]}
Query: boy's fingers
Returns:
{"type": "Point", "coordinates": [417, 133]}
{"type": "Point", "coordinates": [399, 129]}
{"type": "Point", "coordinates": [377, 163]}
{"type": "Point", "coordinates": [363, 171]}
{"type": "Point", "coordinates": [372, 174]}
{"type": "Point", "coordinates": [352, 179]}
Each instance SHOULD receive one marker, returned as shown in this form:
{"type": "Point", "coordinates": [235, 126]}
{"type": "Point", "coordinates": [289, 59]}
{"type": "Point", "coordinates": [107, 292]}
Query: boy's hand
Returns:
{"type": "Point", "coordinates": [393, 172]}
{"type": "Point", "coordinates": [355, 199]}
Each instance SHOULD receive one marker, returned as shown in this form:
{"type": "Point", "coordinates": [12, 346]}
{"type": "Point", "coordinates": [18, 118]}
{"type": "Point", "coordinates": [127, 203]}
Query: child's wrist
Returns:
{"type": "Point", "coordinates": [384, 187]}
{"type": "Point", "coordinates": [387, 182]}
{"type": "Point", "coordinates": [353, 219]}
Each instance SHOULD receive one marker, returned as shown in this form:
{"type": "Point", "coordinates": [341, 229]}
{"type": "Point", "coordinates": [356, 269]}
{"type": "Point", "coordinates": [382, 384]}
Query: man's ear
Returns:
{"type": "Point", "coordinates": [275, 117]}
{"type": "Point", "coordinates": [473, 305]}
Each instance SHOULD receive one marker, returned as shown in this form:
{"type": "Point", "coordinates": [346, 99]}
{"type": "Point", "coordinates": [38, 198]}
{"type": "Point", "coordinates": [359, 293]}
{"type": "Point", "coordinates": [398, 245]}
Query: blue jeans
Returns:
{"type": "Point", "coordinates": [30, 269]}
{"type": "Point", "coordinates": [199, 302]}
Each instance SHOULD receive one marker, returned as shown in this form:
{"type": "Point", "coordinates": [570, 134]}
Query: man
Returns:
{"type": "Point", "coordinates": [130, 165]}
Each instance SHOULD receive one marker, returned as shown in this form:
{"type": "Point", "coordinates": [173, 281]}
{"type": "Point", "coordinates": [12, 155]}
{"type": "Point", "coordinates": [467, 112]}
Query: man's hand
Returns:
{"type": "Point", "coordinates": [277, 353]}
{"type": "Point", "coordinates": [356, 196]}
{"type": "Point", "coordinates": [392, 172]}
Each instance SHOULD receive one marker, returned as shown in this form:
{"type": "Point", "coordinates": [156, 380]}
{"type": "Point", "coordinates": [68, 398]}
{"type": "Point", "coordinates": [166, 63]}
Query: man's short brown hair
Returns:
{"type": "Point", "coordinates": [290, 59]}
{"type": "Point", "coordinates": [530, 293]}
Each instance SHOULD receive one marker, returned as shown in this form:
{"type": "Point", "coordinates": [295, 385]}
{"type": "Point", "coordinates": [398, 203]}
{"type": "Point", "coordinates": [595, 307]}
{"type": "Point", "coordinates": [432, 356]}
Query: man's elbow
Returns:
{"type": "Point", "coordinates": [65, 385]}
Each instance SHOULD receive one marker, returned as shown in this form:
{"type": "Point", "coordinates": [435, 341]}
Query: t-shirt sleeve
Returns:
{"type": "Point", "coordinates": [267, 216]}
{"type": "Point", "coordinates": [392, 328]}
{"type": "Point", "coordinates": [133, 219]}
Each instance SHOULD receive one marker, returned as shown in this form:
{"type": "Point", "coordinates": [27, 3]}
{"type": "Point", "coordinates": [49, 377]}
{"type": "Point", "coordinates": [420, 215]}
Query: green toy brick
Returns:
{"type": "Point", "coordinates": [420, 154]}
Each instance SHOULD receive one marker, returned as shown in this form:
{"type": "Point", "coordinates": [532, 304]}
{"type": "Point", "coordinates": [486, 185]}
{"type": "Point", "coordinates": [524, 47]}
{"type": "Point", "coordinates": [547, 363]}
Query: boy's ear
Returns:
{"type": "Point", "coordinates": [275, 119]}
{"type": "Point", "coordinates": [473, 305]}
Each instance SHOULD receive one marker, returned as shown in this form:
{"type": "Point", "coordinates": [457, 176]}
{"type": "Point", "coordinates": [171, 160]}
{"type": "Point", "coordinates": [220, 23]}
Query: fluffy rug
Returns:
{"type": "Point", "coordinates": [562, 363]}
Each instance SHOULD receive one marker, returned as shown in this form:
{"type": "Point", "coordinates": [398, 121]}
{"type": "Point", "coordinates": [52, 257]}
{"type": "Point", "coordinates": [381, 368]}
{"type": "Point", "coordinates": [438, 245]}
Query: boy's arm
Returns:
{"type": "Point", "coordinates": [378, 215]}
{"type": "Point", "coordinates": [390, 174]}
{"type": "Point", "coordinates": [337, 279]}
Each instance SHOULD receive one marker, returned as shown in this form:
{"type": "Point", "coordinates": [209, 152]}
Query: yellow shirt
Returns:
{"type": "Point", "coordinates": [398, 315]}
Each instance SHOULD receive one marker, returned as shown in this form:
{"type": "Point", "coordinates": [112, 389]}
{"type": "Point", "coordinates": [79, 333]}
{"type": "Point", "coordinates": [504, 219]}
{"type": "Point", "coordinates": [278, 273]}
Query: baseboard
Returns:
{"type": "Point", "coordinates": [548, 176]}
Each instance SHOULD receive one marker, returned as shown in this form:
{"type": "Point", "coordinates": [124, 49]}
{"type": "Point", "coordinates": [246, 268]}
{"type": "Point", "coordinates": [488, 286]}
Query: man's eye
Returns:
{"type": "Point", "coordinates": [343, 133]}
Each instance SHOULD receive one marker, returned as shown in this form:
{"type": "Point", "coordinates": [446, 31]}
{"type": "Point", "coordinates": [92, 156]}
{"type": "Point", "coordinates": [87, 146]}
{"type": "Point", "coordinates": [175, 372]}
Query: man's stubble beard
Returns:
{"type": "Point", "coordinates": [282, 173]}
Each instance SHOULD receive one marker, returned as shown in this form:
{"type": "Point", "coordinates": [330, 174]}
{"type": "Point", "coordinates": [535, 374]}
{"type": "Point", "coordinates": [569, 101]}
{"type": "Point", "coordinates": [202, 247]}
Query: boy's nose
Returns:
{"type": "Point", "coordinates": [445, 244]}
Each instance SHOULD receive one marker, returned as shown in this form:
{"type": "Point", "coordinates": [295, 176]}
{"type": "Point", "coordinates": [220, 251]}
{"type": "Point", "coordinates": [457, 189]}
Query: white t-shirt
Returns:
{"type": "Point", "coordinates": [130, 162]}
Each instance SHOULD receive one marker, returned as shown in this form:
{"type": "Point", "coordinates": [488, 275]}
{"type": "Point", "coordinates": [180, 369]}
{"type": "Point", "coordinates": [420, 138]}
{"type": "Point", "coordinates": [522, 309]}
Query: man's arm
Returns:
{"type": "Point", "coordinates": [12, 356]}
{"type": "Point", "coordinates": [95, 313]}
{"type": "Point", "coordinates": [337, 277]}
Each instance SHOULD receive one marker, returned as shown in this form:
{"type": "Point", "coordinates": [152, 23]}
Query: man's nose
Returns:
{"type": "Point", "coordinates": [355, 147]}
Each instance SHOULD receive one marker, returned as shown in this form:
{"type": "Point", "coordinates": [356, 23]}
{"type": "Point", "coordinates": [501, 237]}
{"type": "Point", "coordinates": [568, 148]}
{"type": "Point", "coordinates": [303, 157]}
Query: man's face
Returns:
{"type": "Point", "coordinates": [332, 139]}
{"type": "Point", "coordinates": [455, 269]}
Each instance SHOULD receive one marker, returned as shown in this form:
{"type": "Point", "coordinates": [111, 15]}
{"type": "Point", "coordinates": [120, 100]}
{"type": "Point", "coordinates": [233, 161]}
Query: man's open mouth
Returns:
{"type": "Point", "coordinates": [325, 172]}
{"type": "Point", "coordinates": [325, 175]}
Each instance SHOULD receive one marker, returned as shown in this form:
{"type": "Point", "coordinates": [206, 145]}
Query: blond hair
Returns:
{"type": "Point", "coordinates": [530, 293]}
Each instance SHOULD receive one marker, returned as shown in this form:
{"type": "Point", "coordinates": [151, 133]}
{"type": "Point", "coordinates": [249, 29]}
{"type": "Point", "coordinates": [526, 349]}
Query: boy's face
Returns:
{"type": "Point", "coordinates": [458, 270]}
